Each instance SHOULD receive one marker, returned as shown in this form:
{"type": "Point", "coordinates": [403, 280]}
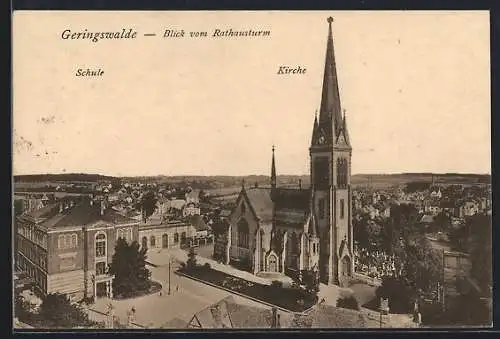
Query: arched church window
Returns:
{"type": "Point", "coordinates": [243, 208]}
{"type": "Point", "coordinates": [341, 172]}
{"type": "Point", "coordinates": [243, 234]}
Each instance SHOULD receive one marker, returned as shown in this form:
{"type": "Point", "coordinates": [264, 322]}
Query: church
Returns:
{"type": "Point", "coordinates": [287, 230]}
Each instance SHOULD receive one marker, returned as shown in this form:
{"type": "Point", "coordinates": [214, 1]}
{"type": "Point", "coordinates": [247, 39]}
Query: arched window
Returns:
{"type": "Point", "coordinates": [176, 237]}
{"type": "Point", "coordinates": [273, 263]}
{"type": "Point", "coordinates": [342, 172]}
{"type": "Point", "coordinates": [183, 238]}
{"type": "Point", "coordinates": [243, 208]}
{"type": "Point", "coordinates": [60, 242]}
{"type": "Point", "coordinates": [100, 245]}
{"type": "Point", "coordinates": [74, 241]}
{"type": "Point", "coordinates": [164, 240]}
{"type": "Point", "coordinates": [144, 242]}
{"type": "Point", "coordinates": [243, 234]}
{"type": "Point", "coordinates": [152, 241]}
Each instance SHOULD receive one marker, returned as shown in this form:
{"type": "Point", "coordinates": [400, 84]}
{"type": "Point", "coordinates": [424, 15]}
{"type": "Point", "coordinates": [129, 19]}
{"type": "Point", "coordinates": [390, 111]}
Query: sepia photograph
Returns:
{"type": "Point", "coordinates": [193, 170]}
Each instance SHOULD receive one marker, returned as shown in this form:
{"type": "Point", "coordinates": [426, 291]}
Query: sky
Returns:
{"type": "Point", "coordinates": [415, 86]}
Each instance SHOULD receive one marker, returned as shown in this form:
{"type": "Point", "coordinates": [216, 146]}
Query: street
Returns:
{"type": "Point", "coordinates": [187, 296]}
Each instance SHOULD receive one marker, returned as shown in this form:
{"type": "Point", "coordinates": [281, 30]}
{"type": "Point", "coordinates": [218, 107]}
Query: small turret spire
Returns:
{"type": "Point", "coordinates": [273, 170]}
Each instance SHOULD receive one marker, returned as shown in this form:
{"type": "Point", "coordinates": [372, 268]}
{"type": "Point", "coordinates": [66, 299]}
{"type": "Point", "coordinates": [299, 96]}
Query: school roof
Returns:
{"type": "Point", "coordinates": [80, 213]}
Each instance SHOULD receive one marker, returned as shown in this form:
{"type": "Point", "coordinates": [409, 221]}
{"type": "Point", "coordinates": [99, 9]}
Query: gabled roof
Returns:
{"type": "Point", "coordinates": [228, 314]}
{"type": "Point", "coordinates": [80, 214]}
{"type": "Point", "coordinates": [292, 199]}
{"type": "Point", "coordinates": [175, 323]}
{"type": "Point", "coordinates": [327, 316]}
{"type": "Point", "coordinates": [260, 202]}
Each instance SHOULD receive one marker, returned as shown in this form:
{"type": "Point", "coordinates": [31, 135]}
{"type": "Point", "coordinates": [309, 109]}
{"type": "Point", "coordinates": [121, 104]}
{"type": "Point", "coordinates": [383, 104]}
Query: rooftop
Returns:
{"type": "Point", "coordinates": [78, 213]}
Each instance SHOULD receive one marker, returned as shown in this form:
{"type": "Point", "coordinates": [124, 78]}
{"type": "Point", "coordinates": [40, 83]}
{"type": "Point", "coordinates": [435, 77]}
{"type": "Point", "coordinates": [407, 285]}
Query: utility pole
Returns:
{"type": "Point", "coordinates": [169, 270]}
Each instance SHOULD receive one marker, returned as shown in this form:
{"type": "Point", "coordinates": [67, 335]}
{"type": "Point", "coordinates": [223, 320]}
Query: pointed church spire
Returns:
{"type": "Point", "coordinates": [330, 118]}
{"type": "Point", "coordinates": [273, 171]}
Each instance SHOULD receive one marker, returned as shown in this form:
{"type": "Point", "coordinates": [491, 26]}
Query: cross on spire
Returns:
{"type": "Point", "coordinates": [273, 170]}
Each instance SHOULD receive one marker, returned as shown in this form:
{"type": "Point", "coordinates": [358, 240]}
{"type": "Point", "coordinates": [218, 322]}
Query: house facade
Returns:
{"type": "Point", "coordinates": [67, 247]}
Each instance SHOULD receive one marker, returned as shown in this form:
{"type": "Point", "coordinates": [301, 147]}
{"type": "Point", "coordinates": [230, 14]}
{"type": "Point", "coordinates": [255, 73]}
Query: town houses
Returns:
{"type": "Point", "coordinates": [65, 244]}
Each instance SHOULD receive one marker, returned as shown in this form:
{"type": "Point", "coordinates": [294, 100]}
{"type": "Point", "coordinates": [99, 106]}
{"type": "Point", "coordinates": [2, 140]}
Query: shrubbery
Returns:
{"type": "Point", "coordinates": [349, 302]}
{"type": "Point", "coordinates": [277, 284]}
{"type": "Point", "coordinates": [399, 293]}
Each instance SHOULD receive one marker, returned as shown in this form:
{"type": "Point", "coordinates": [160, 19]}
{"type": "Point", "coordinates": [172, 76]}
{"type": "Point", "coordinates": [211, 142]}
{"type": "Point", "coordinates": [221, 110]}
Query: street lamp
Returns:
{"type": "Point", "coordinates": [169, 270]}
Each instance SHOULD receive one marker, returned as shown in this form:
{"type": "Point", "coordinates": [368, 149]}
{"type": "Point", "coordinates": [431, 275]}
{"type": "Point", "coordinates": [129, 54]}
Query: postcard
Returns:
{"type": "Point", "coordinates": [251, 170]}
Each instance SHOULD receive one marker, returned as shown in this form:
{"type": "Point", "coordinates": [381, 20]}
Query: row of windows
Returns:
{"type": "Point", "coordinates": [125, 233]}
{"type": "Point", "coordinates": [32, 233]}
{"type": "Point", "coordinates": [67, 241]}
{"type": "Point", "coordinates": [164, 240]}
{"type": "Point", "coordinates": [32, 252]}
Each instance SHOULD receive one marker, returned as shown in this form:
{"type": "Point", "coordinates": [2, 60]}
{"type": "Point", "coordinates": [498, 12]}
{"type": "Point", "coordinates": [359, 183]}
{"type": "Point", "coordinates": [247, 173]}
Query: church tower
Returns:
{"type": "Point", "coordinates": [330, 155]}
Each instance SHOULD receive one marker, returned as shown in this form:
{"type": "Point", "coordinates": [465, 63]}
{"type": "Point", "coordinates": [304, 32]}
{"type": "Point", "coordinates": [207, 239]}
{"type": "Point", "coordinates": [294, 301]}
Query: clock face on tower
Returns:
{"type": "Point", "coordinates": [321, 139]}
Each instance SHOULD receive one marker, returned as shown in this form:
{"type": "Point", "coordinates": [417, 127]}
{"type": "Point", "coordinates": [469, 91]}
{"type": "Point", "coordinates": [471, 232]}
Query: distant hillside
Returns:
{"type": "Point", "coordinates": [69, 177]}
{"type": "Point", "coordinates": [216, 182]}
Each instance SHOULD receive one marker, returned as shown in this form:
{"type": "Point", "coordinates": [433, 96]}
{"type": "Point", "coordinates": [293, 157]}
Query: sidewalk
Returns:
{"type": "Point", "coordinates": [181, 255]}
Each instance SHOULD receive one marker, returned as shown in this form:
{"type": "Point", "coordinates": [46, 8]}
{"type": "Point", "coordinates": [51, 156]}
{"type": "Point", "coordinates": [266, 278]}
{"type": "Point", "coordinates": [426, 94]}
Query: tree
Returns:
{"type": "Point", "coordinates": [202, 195]}
{"type": "Point", "coordinates": [423, 265]}
{"type": "Point", "coordinates": [310, 279]}
{"type": "Point", "coordinates": [349, 302]}
{"type": "Point", "coordinates": [191, 262]}
{"type": "Point", "coordinates": [148, 204]}
{"type": "Point", "coordinates": [442, 222]}
{"type": "Point", "coordinates": [56, 311]}
{"type": "Point", "coordinates": [129, 268]}
{"type": "Point", "coordinates": [308, 282]}
{"type": "Point", "coordinates": [367, 232]}
{"type": "Point", "coordinates": [398, 292]}
{"type": "Point", "coordinates": [481, 251]}
{"type": "Point", "coordinates": [18, 207]}
{"type": "Point", "coordinates": [116, 183]}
